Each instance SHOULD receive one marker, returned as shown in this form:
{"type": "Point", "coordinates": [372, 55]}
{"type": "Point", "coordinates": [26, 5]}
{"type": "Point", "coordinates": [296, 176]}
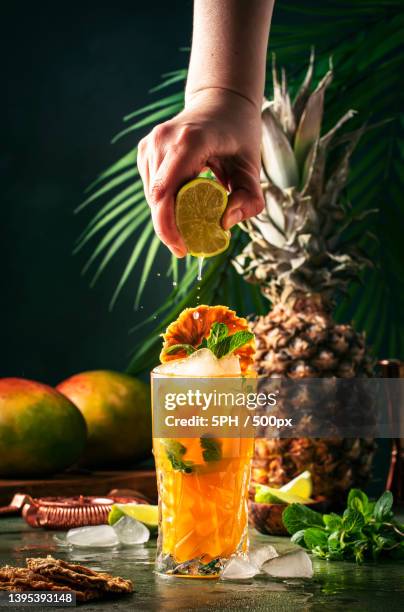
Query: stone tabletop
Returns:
{"type": "Point", "coordinates": [335, 586]}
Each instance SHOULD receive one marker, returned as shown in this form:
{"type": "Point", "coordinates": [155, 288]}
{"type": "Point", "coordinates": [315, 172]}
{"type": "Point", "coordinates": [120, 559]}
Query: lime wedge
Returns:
{"type": "Point", "coordinates": [144, 513]}
{"type": "Point", "coordinates": [301, 485]}
{"type": "Point", "coordinates": [199, 207]}
{"type": "Point", "coordinates": [270, 495]}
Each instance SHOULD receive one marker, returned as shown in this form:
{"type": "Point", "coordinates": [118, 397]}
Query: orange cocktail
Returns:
{"type": "Point", "coordinates": [203, 512]}
{"type": "Point", "coordinates": [202, 480]}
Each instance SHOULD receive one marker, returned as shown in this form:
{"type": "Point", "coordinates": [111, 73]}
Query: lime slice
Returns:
{"type": "Point", "coordinates": [144, 513]}
{"type": "Point", "coordinates": [199, 208]}
{"type": "Point", "coordinates": [301, 485]}
{"type": "Point", "coordinates": [270, 495]}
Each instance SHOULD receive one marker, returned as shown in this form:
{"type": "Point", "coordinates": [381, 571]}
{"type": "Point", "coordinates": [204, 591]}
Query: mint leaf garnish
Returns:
{"type": "Point", "coordinates": [175, 451]}
{"type": "Point", "coordinates": [212, 448]}
{"type": "Point", "coordinates": [231, 343]}
{"type": "Point", "coordinates": [221, 344]}
{"type": "Point", "coordinates": [180, 347]}
{"type": "Point", "coordinates": [218, 332]}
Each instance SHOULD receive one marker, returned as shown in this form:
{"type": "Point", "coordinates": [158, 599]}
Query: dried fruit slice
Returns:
{"type": "Point", "coordinates": [199, 207]}
{"type": "Point", "coordinates": [194, 324]}
{"type": "Point", "coordinates": [77, 575]}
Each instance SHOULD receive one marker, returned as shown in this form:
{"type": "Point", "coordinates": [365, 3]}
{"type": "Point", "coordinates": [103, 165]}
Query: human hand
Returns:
{"type": "Point", "coordinates": [219, 129]}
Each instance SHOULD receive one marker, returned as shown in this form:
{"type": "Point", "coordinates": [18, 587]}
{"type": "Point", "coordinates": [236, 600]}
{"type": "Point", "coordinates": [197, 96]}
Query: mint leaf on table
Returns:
{"type": "Point", "coordinates": [358, 500]}
{"type": "Point", "coordinates": [175, 451]}
{"type": "Point", "coordinates": [383, 506]}
{"type": "Point", "coordinates": [314, 536]}
{"type": "Point", "coordinates": [332, 521]}
{"type": "Point", "coordinates": [298, 516]}
{"type": "Point", "coordinates": [352, 520]}
{"type": "Point", "coordinates": [359, 550]}
{"type": "Point", "coordinates": [334, 543]}
{"type": "Point", "coordinates": [212, 449]}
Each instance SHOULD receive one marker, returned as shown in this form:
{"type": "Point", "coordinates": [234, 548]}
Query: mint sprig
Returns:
{"type": "Point", "coordinates": [221, 344]}
{"type": "Point", "coordinates": [232, 343]}
{"type": "Point", "coordinates": [366, 530]}
{"type": "Point", "coordinates": [218, 341]}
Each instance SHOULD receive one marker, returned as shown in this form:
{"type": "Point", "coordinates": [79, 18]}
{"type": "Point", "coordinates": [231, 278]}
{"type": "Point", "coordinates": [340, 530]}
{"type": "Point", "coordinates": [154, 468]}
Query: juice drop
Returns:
{"type": "Point", "coordinates": [200, 265]}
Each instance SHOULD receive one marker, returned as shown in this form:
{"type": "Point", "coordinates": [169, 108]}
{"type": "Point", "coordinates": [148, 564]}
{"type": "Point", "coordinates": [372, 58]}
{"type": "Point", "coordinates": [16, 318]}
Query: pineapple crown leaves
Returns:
{"type": "Point", "coordinates": [297, 243]}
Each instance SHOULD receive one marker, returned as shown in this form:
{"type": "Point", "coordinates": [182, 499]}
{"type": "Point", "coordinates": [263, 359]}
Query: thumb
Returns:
{"type": "Point", "coordinates": [246, 199]}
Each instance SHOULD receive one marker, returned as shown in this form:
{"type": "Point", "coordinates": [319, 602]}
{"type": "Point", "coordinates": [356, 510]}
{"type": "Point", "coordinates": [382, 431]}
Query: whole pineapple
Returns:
{"type": "Point", "coordinates": [300, 258]}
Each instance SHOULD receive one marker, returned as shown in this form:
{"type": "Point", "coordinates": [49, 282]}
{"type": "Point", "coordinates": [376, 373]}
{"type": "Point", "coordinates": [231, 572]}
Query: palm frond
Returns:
{"type": "Point", "coordinates": [363, 37]}
{"type": "Point", "coordinates": [148, 263]}
{"type": "Point", "coordinates": [139, 246]}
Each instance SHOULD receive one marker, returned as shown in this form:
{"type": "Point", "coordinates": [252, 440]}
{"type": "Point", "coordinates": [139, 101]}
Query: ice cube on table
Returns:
{"type": "Point", "coordinates": [296, 564]}
{"type": "Point", "coordinates": [202, 363]}
{"type": "Point", "coordinates": [98, 536]}
{"type": "Point", "coordinates": [262, 554]}
{"type": "Point", "coordinates": [60, 538]}
{"type": "Point", "coordinates": [131, 532]}
{"type": "Point", "coordinates": [238, 568]}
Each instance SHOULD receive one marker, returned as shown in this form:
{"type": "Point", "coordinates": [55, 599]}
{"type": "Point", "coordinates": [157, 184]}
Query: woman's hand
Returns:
{"type": "Point", "coordinates": [219, 129]}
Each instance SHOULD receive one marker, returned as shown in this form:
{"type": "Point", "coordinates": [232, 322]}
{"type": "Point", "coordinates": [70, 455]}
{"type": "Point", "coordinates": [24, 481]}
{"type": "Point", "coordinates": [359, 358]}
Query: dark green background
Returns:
{"type": "Point", "coordinates": [70, 72]}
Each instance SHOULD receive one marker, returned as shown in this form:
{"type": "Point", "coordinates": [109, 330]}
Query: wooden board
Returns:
{"type": "Point", "coordinates": [95, 483]}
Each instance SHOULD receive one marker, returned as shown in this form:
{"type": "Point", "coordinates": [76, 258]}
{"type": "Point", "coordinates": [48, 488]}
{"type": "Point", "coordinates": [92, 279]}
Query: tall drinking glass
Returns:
{"type": "Point", "coordinates": [203, 493]}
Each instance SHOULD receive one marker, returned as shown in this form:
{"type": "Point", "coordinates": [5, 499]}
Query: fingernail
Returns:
{"type": "Point", "coordinates": [177, 252]}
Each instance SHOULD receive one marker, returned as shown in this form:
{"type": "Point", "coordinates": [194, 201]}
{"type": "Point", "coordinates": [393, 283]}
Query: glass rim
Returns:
{"type": "Point", "coordinates": [252, 376]}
